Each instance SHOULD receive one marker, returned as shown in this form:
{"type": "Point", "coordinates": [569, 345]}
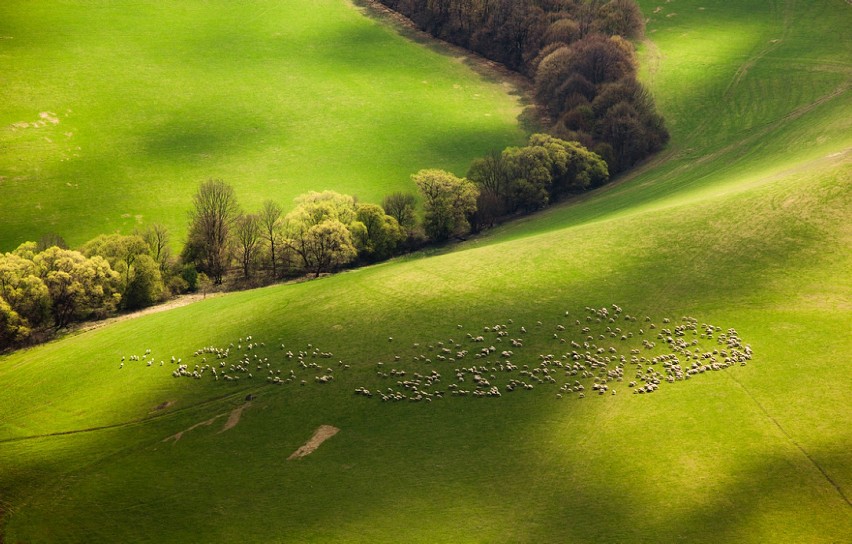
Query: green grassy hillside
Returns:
{"type": "Point", "coordinates": [112, 114]}
{"type": "Point", "coordinates": [742, 224]}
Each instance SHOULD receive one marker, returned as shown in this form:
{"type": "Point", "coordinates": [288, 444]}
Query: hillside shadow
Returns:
{"type": "Point", "coordinates": [766, 495]}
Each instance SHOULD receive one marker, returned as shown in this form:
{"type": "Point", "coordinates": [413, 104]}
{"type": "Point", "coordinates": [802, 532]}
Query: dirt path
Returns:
{"type": "Point", "coordinates": [323, 433]}
{"type": "Point", "coordinates": [177, 302]}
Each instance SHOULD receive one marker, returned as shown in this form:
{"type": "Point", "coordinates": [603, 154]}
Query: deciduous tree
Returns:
{"type": "Point", "coordinates": [247, 235]}
{"type": "Point", "coordinates": [447, 201]}
{"type": "Point", "coordinates": [402, 206]}
{"type": "Point", "coordinates": [328, 244]}
{"type": "Point", "coordinates": [381, 233]}
{"type": "Point", "coordinates": [79, 287]}
{"type": "Point", "coordinates": [121, 252]}
{"type": "Point", "coordinates": [212, 217]}
{"type": "Point", "coordinates": [270, 225]}
{"type": "Point", "coordinates": [318, 230]}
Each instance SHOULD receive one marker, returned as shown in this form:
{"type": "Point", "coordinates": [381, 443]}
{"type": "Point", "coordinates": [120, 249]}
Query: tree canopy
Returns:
{"type": "Point", "coordinates": [447, 202]}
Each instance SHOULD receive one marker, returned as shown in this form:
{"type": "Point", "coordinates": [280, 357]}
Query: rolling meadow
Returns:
{"type": "Point", "coordinates": [739, 229]}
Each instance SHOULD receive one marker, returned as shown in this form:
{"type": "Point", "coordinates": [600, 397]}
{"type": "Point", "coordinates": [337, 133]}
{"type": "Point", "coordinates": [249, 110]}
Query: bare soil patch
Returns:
{"type": "Point", "coordinates": [323, 433]}
{"type": "Point", "coordinates": [234, 418]}
{"type": "Point", "coordinates": [177, 436]}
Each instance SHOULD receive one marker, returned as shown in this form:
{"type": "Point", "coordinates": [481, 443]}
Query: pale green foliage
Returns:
{"type": "Point", "coordinates": [124, 254]}
{"type": "Point", "coordinates": [23, 289]}
{"type": "Point", "coordinates": [27, 250]}
{"type": "Point", "coordinates": [447, 201]}
{"type": "Point", "coordinates": [376, 234]}
{"type": "Point", "coordinates": [13, 328]}
{"type": "Point", "coordinates": [312, 208]}
{"type": "Point", "coordinates": [24, 299]}
{"type": "Point", "coordinates": [572, 166]}
{"type": "Point", "coordinates": [318, 230]}
{"type": "Point", "coordinates": [78, 287]}
{"type": "Point", "coordinates": [328, 245]}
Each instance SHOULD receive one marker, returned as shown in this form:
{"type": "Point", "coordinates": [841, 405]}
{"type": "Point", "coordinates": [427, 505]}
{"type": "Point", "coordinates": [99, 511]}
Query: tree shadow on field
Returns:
{"type": "Point", "coordinates": [194, 136]}
{"type": "Point", "coordinates": [463, 142]}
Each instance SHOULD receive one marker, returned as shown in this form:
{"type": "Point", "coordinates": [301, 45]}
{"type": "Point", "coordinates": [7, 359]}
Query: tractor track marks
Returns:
{"type": "Point", "coordinates": [132, 422]}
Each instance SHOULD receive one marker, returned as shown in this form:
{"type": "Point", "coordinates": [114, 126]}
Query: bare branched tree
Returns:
{"type": "Point", "coordinates": [214, 212]}
{"type": "Point", "coordinates": [270, 225]}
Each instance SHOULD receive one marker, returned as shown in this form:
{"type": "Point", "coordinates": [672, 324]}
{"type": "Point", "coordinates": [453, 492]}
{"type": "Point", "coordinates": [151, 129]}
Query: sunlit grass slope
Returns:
{"type": "Point", "coordinates": [748, 230]}
{"type": "Point", "coordinates": [748, 90]}
{"type": "Point", "coordinates": [111, 114]}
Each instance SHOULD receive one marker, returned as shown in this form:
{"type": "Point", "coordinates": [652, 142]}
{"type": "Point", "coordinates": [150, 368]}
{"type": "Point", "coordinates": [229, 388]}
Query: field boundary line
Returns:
{"type": "Point", "coordinates": [792, 440]}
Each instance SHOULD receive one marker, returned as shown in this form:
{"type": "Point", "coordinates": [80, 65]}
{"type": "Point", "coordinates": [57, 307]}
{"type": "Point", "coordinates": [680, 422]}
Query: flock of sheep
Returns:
{"type": "Point", "coordinates": [599, 353]}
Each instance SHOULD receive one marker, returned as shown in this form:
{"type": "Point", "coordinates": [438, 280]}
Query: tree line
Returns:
{"type": "Point", "coordinates": [46, 286]}
{"type": "Point", "coordinates": [577, 54]}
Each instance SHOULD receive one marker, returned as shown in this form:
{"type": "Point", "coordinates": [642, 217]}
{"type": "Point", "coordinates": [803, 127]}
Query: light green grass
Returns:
{"type": "Point", "coordinates": [276, 98]}
{"type": "Point", "coordinates": [755, 237]}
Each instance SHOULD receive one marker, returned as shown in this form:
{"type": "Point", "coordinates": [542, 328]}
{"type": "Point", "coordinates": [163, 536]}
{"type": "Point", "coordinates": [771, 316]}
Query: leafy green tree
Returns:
{"type": "Point", "coordinates": [123, 253]}
{"type": "Point", "coordinates": [23, 289]}
{"type": "Point", "coordinates": [314, 207]}
{"type": "Point", "coordinates": [79, 287]}
{"type": "Point", "coordinates": [380, 235]}
{"type": "Point", "coordinates": [529, 169]}
{"type": "Point", "coordinates": [28, 250]}
{"type": "Point", "coordinates": [573, 167]}
{"type": "Point", "coordinates": [328, 245]}
{"type": "Point", "coordinates": [447, 201]}
{"type": "Point", "coordinates": [190, 276]}
{"type": "Point", "coordinates": [215, 209]}
{"type": "Point", "coordinates": [402, 206]}
{"type": "Point", "coordinates": [13, 328]}
{"type": "Point", "coordinates": [145, 286]}
{"type": "Point", "coordinates": [318, 230]}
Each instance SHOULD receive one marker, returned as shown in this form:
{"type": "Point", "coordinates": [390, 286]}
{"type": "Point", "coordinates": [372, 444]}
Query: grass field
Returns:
{"type": "Point", "coordinates": [112, 114]}
{"type": "Point", "coordinates": [742, 223]}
